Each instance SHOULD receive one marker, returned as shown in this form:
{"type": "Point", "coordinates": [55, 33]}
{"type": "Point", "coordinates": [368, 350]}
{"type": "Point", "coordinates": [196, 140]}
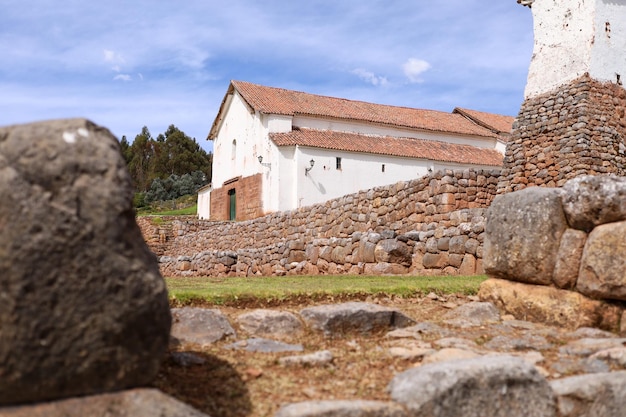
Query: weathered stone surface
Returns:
{"type": "Point", "coordinates": [131, 403]}
{"type": "Point", "coordinates": [281, 324]}
{"type": "Point", "coordinates": [341, 408]}
{"type": "Point", "coordinates": [590, 201]}
{"type": "Point", "coordinates": [265, 346]}
{"type": "Point", "coordinates": [523, 234]}
{"type": "Point", "coordinates": [568, 258]}
{"type": "Point", "coordinates": [595, 395]}
{"type": "Point", "coordinates": [523, 342]}
{"type": "Point", "coordinates": [200, 326]}
{"type": "Point", "coordinates": [587, 347]}
{"type": "Point", "coordinates": [549, 305]}
{"type": "Point", "coordinates": [487, 386]}
{"type": "Point", "coordinates": [449, 354]}
{"type": "Point", "coordinates": [320, 358]}
{"type": "Point", "coordinates": [613, 356]}
{"type": "Point", "coordinates": [354, 316]}
{"type": "Point", "coordinates": [393, 251]}
{"type": "Point", "coordinates": [603, 265]}
{"type": "Point", "coordinates": [82, 298]}
{"type": "Point", "coordinates": [472, 314]}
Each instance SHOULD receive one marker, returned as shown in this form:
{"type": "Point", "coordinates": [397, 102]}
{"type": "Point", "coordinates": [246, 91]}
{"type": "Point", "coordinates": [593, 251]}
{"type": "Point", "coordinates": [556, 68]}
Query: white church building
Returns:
{"type": "Point", "coordinates": [277, 149]}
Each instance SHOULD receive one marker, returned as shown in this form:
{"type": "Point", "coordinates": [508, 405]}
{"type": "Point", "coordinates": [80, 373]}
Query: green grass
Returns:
{"type": "Point", "coordinates": [227, 290]}
{"type": "Point", "coordinates": [180, 212]}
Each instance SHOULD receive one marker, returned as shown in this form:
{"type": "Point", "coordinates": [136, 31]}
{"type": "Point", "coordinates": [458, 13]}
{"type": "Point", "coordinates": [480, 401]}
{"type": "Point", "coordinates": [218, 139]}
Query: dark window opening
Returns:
{"type": "Point", "coordinates": [383, 168]}
{"type": "Point", "coordinates": [232, 204]}
{"type": "Point", "coordinates": [339, 163]}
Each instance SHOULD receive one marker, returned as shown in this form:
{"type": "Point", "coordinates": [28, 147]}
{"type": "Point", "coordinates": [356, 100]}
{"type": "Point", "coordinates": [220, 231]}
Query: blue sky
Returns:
{"type": "Point", "coordinates": [126, 64]}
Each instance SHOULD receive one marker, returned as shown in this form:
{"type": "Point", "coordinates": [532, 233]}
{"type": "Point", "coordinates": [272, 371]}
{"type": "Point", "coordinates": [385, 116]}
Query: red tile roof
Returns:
{"type": "Point", "coordinates": [495, 122]}
{"type": "Point", "coordinates": [386, 145]}
{"type": "Point", "coordinates": [271, 100]}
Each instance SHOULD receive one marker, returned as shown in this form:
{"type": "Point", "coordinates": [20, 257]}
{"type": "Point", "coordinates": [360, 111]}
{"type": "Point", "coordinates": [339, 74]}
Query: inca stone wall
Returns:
{"type": "Point", "coordinates": [430, 225]}
{"type": "Point", "coordinates": [578, 129]}
{"type": "Point", "coordinates": [564, 248]}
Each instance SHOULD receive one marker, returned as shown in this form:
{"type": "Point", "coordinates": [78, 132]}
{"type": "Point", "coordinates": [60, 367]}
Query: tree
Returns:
{"type": "Point", "coordinates": [167, 167]}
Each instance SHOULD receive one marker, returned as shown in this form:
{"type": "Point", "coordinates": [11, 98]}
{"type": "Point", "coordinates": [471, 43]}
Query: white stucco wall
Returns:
{"type": "Point", "coordinates": [250, 131]}
{"type": "Point", "coordinates": [372, 129]}
{"type": "Point", "coordinates": [358, 172]}
{"type": "Point", "coordinates": [575, 37]}
{"type": "Point", "coordinates": [204, 202]}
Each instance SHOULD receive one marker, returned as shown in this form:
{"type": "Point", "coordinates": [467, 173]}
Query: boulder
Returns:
{"type": "Point", "coordinates": [568, 258]}
{"type": "Point", "coordinates": [200, 326]}
{"type": "Point", "coordinates": [523, 234]}
{"type": "Point", "coordinates": [549, 305]}
{"type": "Point", "coordinates": [83, 307]}
{"type": "Point", "coordinates": [595, 395]}
{"type": "Point", "coordinates": [281, 324]}
{"type": "Point", "coordinates": [131, 403]}
{"type": "Point", "coordinates": [495, 386]}
{"type": "Point", "coordinates": [353, 317]}
{"type": "Point", "coordinates": [393, 251]}
{"type": "Point", "coordinates": [472, 314]}
{"type": "Point", "coordinates": [603, 264]}
{"type": "Point", "coordinates": [590, 201]}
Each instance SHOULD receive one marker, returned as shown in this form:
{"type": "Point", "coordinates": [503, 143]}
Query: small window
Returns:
{"type": "Point", "coordinates": [233, 154]}
{"type": "Point", "coordinates": [339, 163]}
{"type": "Point", "coordinates": [383, 168]}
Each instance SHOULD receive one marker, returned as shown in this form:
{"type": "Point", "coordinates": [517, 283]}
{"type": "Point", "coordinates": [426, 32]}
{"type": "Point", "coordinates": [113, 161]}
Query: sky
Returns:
{"type": "Point", "coordinates": [125, 64]}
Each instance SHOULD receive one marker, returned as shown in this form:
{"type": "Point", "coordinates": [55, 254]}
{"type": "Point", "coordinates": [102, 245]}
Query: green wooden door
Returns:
{"type": "Point", "coordinates": [232, 204]}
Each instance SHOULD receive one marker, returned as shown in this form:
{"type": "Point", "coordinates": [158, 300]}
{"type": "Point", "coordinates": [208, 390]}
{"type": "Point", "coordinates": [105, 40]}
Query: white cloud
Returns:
{"type": "Point", "coordinates": [414, 68]}
{"type": "Point", "coordinates": [370, 77]}
{"type": "Point", "coordinates": [122, 77]}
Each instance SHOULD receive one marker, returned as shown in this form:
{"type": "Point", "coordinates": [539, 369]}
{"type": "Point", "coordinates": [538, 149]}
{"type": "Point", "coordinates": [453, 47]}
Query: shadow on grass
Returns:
{"type": "Point", "coordinates": [212, 386]}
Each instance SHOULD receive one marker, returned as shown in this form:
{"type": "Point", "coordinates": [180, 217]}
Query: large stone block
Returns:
{"type": "Point", "coordinates": [549, 305]}
{"type": "Point", "coordinates": [523, 234]}
{"type": "Point", "coordinates": [568, 258]}
{"type": "Point", "coordinates": [590, 201]}
{"type": "Point", "coordinates": [489, 386]}
{"type": "Point", "coordinates": [595, 395]}
{"type": "Point", "coordinates": [131, 403]}
{"type": "Point", "coordinates": [603, 265]}
{"type": "Point", "coordinates": [83, 307]}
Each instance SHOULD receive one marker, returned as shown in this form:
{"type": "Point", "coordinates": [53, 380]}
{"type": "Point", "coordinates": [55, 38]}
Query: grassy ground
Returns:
{"type": "Point", "coordinates": [273, 290]}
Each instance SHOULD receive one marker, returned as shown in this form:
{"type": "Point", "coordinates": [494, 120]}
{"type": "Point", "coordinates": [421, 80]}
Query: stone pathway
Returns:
{"type": "Point", "coordinates": [470, 359]}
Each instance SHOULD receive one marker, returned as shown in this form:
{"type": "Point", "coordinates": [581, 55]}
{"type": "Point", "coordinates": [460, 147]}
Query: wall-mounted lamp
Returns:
{"type": "Point", "coordinates": [306, 170]}
{"type": "Point", "coordinates": [267, 165]}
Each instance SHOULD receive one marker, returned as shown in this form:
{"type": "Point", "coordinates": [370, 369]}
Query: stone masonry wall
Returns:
{"type": "Point", "coordinates": [430, 225]}
{"type": "Point", "coordinates": [248, 194]}
{"type": "Point", "coordinates": [578, 129]}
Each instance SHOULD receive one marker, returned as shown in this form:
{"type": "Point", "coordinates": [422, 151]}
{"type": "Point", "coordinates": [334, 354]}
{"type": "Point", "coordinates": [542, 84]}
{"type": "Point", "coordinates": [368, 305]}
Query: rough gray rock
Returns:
{"type": "Point", "coordinates": [568, 258]}
{"type": "Point", "coordinates": [595, 395]}
{"type": "Point", "coordinates": [587, 346]}
{"type": "Point", "coordinates": [320, 358]}
{"type": "Point", "coordinates": [523, 234]}
{"type": "Point", "coordinates": [82, 299]}
{"type": "Point", "coordinates": [603, 264]}
{"type": "Point", "coordinates": [200, 326]}
{"type": "Point", "coordinates": [353, 317]}
{"type": "Point", "coordinates": [495, 386]}
{"type": "Point", "coordinates": [590, 201]}
{"type": "Point", "coordinates": [472, 314]}
{"type": "Point", "coordinates": [131, 403]}
{"type": "Point", "coordinates": [393, 251]}
{"type": "Point", "coordinates": [265, 346]}
{"type": "Point", "coordinates": [273, 323]}
{"type": "Point", "coordinates": [344, 408]}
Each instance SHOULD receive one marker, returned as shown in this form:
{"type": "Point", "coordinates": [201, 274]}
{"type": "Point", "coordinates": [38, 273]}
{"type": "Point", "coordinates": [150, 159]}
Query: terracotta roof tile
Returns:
{"type": "Point", "coordinates": [496, 122]}
{"type": "Point", "coordinates": [271, 100]}
{"type": "Point", "coordinates": [386, 145]}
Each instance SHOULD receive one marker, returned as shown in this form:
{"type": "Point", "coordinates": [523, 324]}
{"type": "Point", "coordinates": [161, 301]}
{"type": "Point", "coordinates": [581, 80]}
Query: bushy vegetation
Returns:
{"type": "Point", "coordinates": [165, 168]}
